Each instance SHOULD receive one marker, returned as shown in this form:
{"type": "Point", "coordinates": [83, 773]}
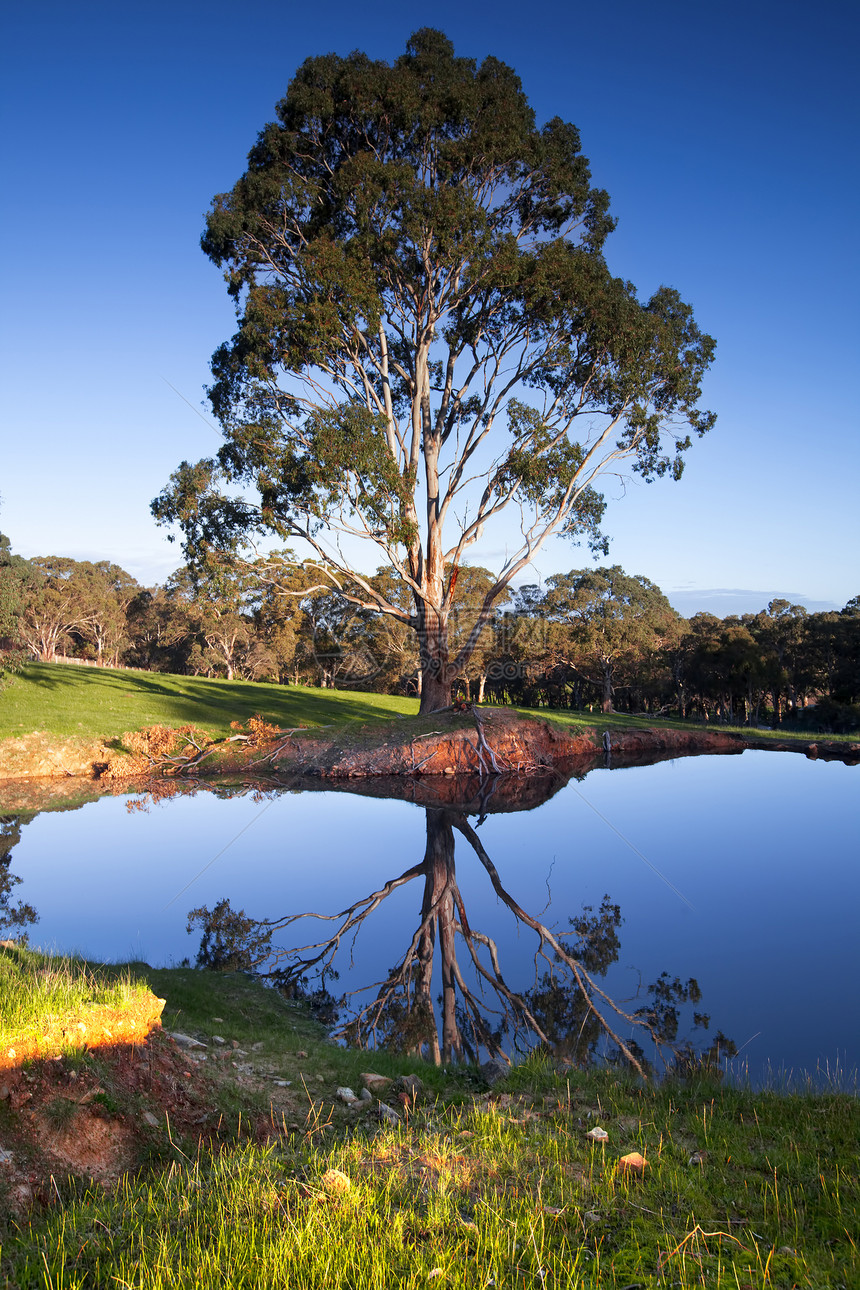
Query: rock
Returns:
{"type": "Point", "coordinates": [152, 1120]}
{"type": "Point", "coordinates": [597, 1135]}
{"type": "Point", "coordinates": [335, 1182]}
{"type": "Point", "coordinates": [282, 1083]}
{"type": "Point", "coordinates": [347, 1095]}
{"type": "Point", "coordinates": [387, 1114]}
{"type": "Point", "coordinates": [408, 1088]}
{"type": "Point", "coordinates": [633, 1163]}
{"type": "Point", "coordinates": [218, 1039]}
{"type": "Point", "coordinates": [184, 1041]}
{"type": "Point", "coordinates": [494, 1070]}
{"type": "Point", "coordinates": [698, 1158]}
{"type": "Point", "coordinates": [255, 1048]}
{"type": "Point", "coordinates": [375, 1083]}
{"type": "Point", "coordinates": [5, 1156]}
{"type": "Point", "coordinates": [365, 1095]}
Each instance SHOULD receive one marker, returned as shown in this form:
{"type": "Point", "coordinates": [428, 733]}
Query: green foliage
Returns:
{"type": "Point", "coordinates": [420, 287]}
{"type": "Point", "coordinates": [231, 942]}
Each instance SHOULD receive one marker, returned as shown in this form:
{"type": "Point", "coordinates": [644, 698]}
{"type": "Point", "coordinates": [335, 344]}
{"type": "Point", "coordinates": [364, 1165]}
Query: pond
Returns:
{"type": "Point", "coordinates": [738, 871]}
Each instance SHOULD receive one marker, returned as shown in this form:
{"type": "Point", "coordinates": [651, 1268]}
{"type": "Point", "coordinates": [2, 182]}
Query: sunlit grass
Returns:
{"type": "Point", "coordinates": [630, 721]}
{"type": "Point", "coordinates": [66, 701]}
{"type": "Point", "coordinates": [739, 1189]}
{"type": "Point", "coordinates": [39, 989]}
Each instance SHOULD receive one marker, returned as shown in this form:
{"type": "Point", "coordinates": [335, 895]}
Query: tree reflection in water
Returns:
{"type": "Point", "coordinates": [565, 1009]}
{"type": "Point", "coordinates": [18, 915]}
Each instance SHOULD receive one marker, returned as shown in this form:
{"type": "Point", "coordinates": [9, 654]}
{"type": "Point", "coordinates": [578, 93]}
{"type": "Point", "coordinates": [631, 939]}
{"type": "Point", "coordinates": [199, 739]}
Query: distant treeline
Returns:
{"type": "Point", "coordinates": [592, 638]}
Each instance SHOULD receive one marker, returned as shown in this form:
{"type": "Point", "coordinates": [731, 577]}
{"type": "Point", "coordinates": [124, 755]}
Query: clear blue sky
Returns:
{"type": "Point", "coordinates": [726, 135]}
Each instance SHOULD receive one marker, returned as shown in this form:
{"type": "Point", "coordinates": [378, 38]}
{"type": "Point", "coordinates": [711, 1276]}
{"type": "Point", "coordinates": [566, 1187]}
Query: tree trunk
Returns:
{"type": "Point", "coordinates": [433, 653]}
{"type": "Point", "coordinates": [438, 894]}
{"type": "Point", "coordinates": [606, 705]}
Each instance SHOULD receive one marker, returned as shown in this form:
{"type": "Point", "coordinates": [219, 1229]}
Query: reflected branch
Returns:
{"type": "Point", "coordinates": [583, 978]}
{"type": "Point", "coordinates": [475, 1008]}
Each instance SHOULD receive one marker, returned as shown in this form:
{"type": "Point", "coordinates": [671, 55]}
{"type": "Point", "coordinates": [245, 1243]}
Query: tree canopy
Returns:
{"type": "Point", "coordinates": [428, 337]}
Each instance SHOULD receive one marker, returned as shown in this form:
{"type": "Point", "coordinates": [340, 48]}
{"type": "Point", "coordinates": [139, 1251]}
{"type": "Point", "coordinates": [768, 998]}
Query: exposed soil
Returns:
{"type": "Point", "coordinates": [36, 771]}
{"type": "Point", "coordinates": [113, 1106]}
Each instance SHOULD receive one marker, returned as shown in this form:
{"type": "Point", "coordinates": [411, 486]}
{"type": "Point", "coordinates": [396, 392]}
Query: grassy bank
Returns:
{"type": "Point", "coordinates": [627, 721]}
{"type": "Point", "coordinates": [470, 1188]}
{"type": "Point", "coordinates": [98, 703]}
{"type": "Point", "coordinates": [67, 701]}
{"type": "Point", "coordinates": [36, 989]}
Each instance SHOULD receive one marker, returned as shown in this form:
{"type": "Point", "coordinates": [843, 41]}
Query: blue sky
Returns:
{"type": "Point", "coordinates": [726, 135]}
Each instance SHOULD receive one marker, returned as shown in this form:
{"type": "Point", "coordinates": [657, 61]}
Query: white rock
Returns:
{"type": "Point", "coordinates": [347, 1095]}
{"type": "Point", "coordinates": [597, 1135]}
{"type": "Point", "coordinates": [184, 1041]}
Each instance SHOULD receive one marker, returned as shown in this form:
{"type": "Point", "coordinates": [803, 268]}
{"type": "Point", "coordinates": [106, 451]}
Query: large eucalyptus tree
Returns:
{"type": "Point", "coordinates": [428, 337]}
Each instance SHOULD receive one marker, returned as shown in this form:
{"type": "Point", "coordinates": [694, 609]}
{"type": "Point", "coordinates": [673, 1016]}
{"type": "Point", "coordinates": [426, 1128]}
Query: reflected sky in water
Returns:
{"type": "Point", "coordinates": [763, 848]}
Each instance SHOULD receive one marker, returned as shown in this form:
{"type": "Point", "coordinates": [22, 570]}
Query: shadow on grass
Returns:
{"type": "Point", "coordinates": [196, 700]}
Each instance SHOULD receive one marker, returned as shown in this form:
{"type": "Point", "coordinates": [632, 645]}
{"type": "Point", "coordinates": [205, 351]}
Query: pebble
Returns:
{"type": "Point", "coordinates": [5, 1156]}
{"type": "Point", "coordinates": [347, 1095]}
{"type": "Point", "coordinates": [597, 1135]}
{"type": "Point", "coordinates": [336, 1182]}
{"type": "Point", "coordinates": [387, 1114]}
{"type": "Point", "coordinates": [152, 1120]}
{"type": "Point", "coordinates": [493, 1071]}
{"type": "Point", "coordinates": [408, 1087]}
{"type": "Point", "coordinates": [184, 1041]}
{"type": "Point", "coordinates": [375, 1083]}
{"type": "Point", "coordinates": [218, 1039]}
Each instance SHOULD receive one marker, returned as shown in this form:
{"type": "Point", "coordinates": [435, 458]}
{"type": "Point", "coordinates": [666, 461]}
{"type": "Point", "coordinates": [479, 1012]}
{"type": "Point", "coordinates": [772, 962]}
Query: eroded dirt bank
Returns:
{"type": "Point", "coordinates": [489, 743]}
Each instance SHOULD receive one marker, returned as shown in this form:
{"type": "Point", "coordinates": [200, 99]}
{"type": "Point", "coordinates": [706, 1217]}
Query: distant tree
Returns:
{"type": "Point", "coordinates": [781, 630]}
{"type": "Point", "coordinates": [614, 621]}
{"type": "Point", "coordinates": [106, 593]}
{"type": "Point", "coordinates": [428, 337]}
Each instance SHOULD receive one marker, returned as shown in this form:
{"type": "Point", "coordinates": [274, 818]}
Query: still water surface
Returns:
{"type": "Point", "coordinates": [740, 871]}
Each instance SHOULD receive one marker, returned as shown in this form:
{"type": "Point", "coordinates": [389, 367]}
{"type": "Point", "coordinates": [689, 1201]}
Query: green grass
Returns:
{"type": "Point", "coordinates": [741, 1188]}
{"type": "Point", "coordinates": [627, 721]}
{"type": "Point", "coordinates": [500, 1192]}
{"type": "Point", "coordinates": [66, 701]}
{"type": "Point", "coordinates": [37, 988]}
